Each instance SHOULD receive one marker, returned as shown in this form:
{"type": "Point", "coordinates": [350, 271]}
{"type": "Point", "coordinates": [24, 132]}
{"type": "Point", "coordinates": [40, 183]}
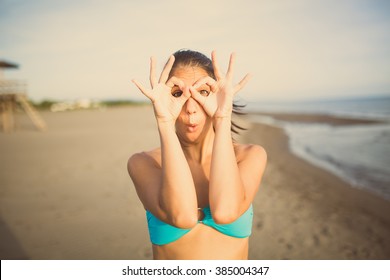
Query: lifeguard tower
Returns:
{"type": "Point", "coordinates": [13, 94]}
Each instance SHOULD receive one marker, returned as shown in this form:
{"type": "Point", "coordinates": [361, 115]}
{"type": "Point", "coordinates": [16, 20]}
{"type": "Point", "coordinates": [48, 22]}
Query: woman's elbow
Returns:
{"type": "Point", "coordinates": [224, 217]}
{"type": "Point", "coordinates": [184, 221]}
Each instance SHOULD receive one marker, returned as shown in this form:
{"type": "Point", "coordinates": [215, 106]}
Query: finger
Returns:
{"type": "Point", "coordinates": [153, 78]}
{"type": "Point", "coordinates": [175, 81]}
{"type": "Point", "coordinates": [142, 89]}
{"type": "Point", "coordinates": [217, 72]}
{"type": "Point", "coordinates": [242, 83]}
{"type": "Point", "coordinates": [230, 71]}
{"type": "Point", "coordinates": [205, 80]}
{"type": "Point", "coordinates": [167, 70]}
{"type": "Point", "coordinates": [186, 94]}
{"type": "Point", "coordinates": [197, 96]}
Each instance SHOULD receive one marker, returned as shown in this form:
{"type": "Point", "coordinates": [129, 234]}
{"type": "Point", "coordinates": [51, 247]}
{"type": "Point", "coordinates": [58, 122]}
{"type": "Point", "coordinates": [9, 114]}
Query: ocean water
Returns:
{"type": "Point", "coordinates": [359, 154]}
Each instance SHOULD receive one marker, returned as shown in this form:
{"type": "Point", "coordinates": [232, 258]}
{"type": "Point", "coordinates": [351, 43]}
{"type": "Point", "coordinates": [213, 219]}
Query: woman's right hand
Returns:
{"type": "Point", "coordinates": [167, 104]}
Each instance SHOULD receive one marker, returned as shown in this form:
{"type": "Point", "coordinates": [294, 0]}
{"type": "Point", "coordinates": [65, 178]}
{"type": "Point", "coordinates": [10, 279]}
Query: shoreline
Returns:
{"type": "Point", "coordinates": [345, 222]}
{"type": "Point", "coordinates": [361, 180]}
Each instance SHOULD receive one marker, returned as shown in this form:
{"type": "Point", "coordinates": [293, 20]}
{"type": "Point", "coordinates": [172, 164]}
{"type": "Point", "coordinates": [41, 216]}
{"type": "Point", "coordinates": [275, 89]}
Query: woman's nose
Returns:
{"type": "Point", "coordinates": [191, 106]}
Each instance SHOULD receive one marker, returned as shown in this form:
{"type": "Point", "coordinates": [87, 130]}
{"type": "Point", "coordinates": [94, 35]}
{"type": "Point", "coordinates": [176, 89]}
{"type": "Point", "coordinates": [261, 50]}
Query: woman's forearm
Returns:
{"type": "Point", "coordinates": [226, 192]}
{"type": "Point", "coordinates": [177, 196]}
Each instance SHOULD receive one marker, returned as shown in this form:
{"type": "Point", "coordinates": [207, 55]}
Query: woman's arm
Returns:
{"type": "Point", "coordinates": [227, 192]}
{"type": "Point", "coordinates": [168, 190]}
{"type": "Point", "coordinates": [233, 184]}
{"type": "Point", "coordinates": [177, 190]}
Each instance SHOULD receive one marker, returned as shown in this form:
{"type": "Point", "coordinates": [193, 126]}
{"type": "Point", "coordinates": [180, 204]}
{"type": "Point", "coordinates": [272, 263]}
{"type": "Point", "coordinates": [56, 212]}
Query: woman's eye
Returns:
{"type": "Point", "coordinates": [204, 92]}
{"type": "Point", "coordinates": [177, 93]}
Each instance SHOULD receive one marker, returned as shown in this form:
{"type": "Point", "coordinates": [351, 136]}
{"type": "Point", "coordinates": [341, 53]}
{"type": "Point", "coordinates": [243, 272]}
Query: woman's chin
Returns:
{"type": "Point", "coordinates": [189, 137]}
{"type": "Point", "coordinates": [192, 137]}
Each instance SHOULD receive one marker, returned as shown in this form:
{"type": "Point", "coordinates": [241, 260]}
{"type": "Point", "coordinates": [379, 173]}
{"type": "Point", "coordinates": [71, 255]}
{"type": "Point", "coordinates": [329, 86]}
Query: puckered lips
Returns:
{"type": "Point", "coordinates": [192, 127]}
{"type": "Point", "coordinates": [192, 124]}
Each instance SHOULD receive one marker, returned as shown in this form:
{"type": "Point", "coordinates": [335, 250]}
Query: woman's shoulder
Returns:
{"type": "Point", "coordinates": [246, 151]}
{"type": "Point", "coordinates": [145, 159]}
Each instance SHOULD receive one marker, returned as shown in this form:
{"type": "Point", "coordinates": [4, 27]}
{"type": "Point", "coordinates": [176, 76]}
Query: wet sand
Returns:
{"type": "Point", "coordinates": [66, 194]}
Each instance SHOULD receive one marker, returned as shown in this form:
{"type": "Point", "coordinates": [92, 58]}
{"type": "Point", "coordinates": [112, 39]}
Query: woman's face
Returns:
{"type": "Point", "coordinates": [193, 121]}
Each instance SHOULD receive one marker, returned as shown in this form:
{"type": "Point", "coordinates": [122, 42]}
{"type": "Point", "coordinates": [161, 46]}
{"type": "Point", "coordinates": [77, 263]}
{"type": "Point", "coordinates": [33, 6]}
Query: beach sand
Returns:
{"type": "Point", "coordinates": [65, 194]}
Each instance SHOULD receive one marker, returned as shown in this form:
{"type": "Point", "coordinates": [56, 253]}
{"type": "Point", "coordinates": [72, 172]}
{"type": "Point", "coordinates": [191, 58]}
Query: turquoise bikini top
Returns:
{"type": "Point", "coordinates": [162, 233]}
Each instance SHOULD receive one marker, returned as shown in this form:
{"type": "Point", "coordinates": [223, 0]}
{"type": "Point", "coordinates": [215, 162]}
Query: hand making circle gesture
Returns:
{"type": "Point", "coordinates": [218, 103]}
{"type": "Point", "coordinates": [167, 107]}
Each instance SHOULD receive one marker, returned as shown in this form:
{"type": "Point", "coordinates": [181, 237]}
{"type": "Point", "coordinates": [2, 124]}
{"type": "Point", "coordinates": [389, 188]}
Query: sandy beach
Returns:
{"type": "Point", "coordinates": [65, 194]}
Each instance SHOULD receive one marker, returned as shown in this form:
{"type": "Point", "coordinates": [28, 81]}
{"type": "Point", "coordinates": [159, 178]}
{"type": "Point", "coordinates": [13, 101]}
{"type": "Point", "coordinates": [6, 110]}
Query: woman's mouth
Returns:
{"type": "Point", "coordinates": [192, 127]}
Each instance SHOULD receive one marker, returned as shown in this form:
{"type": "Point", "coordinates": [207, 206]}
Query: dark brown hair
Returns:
{"type": "Point", "coordinates": [191, 58]}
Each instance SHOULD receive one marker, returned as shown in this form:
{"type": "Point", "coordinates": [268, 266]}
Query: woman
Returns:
{"type": "Point", "coordinates": [198, 187]}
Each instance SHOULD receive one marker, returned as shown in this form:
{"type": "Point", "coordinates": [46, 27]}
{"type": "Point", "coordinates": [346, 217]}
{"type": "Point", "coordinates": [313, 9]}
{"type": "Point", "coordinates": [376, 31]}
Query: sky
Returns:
{"type": "Point", "coordinates": [301, 49]}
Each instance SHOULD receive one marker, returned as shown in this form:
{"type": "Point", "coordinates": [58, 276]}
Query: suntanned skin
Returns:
{"type": "Point", "coordinates": [198, 164]}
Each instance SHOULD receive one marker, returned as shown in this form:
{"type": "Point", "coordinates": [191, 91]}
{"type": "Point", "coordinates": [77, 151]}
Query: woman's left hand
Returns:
{"type": "Point", "coordinates": [218, 103]}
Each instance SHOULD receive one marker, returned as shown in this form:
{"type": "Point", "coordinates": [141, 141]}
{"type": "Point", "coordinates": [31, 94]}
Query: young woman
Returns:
{"type": "Point", "coordinates": [198, 186]}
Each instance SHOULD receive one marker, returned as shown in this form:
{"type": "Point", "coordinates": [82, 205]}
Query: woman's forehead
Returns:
{"type": "Point", "coordinates": [189, 73]}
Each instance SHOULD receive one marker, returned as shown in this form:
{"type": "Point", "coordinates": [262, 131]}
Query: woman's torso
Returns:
{"type": "Point", "coordinates": [202, 241]}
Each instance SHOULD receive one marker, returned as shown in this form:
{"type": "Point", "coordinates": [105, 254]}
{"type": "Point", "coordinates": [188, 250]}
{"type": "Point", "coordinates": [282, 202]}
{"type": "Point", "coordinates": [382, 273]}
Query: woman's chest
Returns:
{"type": "Point", "coordinates": [201, 176]}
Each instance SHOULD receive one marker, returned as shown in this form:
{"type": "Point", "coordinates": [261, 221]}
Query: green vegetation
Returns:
{"type": "Point", "coordinates": [44, 104]}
